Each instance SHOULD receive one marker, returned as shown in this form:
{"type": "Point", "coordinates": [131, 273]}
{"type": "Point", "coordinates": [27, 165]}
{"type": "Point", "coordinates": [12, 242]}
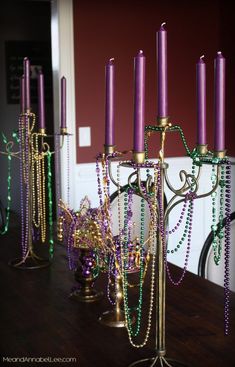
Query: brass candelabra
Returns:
{"type": "Point", "coordinates": [35, 157]}
{"type": "Point", "coordinates": [154, 191]}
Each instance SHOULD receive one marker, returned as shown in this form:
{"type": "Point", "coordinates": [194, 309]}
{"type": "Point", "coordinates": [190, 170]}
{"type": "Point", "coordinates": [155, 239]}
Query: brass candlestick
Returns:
{"type": "Point", "coordinates": [116, 316]}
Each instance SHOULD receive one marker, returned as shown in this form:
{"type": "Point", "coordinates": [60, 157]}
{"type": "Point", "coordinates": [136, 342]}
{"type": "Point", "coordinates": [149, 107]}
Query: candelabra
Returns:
{"type": "Point", "coordinates": [35, 157]}
{"type": "Point", "coordinates": [153, 191]}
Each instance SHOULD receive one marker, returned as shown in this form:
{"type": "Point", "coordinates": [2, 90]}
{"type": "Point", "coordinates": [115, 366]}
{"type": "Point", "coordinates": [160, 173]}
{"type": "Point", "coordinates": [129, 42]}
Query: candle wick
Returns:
{"type": "Point", "coordinates": [164, 23]}
{"type": "Point", "coordinates": [201, 57]}
{"type": "Point", "coordinates": [219, 53]}
{"type": "Point", "coordinates": [141, 52]}
{"type": "Point", "coordinates": [112, 59]}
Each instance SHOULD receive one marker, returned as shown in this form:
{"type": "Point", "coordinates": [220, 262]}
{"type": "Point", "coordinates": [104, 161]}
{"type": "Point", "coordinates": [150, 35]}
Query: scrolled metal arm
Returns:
{"type": "Point", "coordinates": [171, 204]}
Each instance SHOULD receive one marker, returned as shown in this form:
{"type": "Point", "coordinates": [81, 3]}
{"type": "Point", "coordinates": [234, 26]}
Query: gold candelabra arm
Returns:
{"type": "Point", "coordinates": [188, 180]}
{"type": "Point", "coordinates": [172, 203]}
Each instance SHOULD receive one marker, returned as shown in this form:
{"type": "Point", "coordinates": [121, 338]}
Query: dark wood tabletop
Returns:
{"type": "Point", "coordinates": [38, 319]}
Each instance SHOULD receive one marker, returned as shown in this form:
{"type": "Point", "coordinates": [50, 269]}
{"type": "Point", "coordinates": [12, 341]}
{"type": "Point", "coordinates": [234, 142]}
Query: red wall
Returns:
{"type": "Point", "coordinates": [119, 29]}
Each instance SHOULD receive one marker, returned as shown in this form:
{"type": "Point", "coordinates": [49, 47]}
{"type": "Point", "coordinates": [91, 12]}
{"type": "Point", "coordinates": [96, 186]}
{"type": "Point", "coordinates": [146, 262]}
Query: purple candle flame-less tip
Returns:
{"type": "Point", "coordinates": [109, 102]}
{"type": "Point", "coordinates": [139, 102]}
{"type": "Point", "coordinates": [22, 94]}
{"type": "Point", "coordinates": [162, 71]}
{"type": "Point", "coordinates": [219, 107]}
{"type": "Point", "coordinates": [201, 101]}
{"type": "Point", "coordinates": [41, 101]}
{"type": "Point", "coordinates": [27, 83]}
{"type": "Point", "coordinates": [63, 103]}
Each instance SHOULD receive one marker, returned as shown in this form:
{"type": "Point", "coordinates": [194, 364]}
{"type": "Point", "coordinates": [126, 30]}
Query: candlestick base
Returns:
{"type": "Point", "coordinates": [109, 149]}
{"type": "Point", "coordinates": [42, 131]}
{"type": "Point", "coordinates": [157, 361]}
{"type": "Point", "coordinates": [139, 157]}
{"type": "Point", "coordinates": [163, 121]}
{"type": "Point", "coordinates": [202, 149]}
{"type": "Point", "coordinates": [219, 153]}
{"type": "Point", "coordinates": [113, 318]}
{"type": "Point", "coordinates": [87, 295]}
{"type": "Point", "coordinates": [63, 131]}
{"type": "Point", "coordinates": [30, 262]}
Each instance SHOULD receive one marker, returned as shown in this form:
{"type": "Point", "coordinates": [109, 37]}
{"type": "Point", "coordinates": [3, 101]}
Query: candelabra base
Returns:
{"type": "Point", "coordinates": [113, 318]}
{"type": "Point", "coordinates": [30, 262]}
{"type": "Point", "coordinates": [86, 295]}
{"type": "Point", "coordinates": [157, 361]}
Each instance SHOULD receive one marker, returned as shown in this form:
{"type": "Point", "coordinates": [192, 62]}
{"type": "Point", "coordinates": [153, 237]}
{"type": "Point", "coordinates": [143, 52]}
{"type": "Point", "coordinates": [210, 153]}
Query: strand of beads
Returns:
{"type": "Point", "coordinates": [153, 228]}
{"type": "Point", "coordinates": [9, 156]}
{"type": "Point", "coordinates": [36, 182]}
{"type": "Point", "coordinates": [68, 171]}
{"type": "Point", "coordinates": [22, 203]}
{"type": "Point", "coordinates": [186, 228]}
{"type": "Point", "coordinates": [110, 267]}
{"type": "Point", "coordinates": [217, 230]}
{"type": "Point", "coordinates": [152, 128]}
{"type": "Point", "coordinates": [43, 204]}
{"type": "Point", "coordinates": [189, 196]}
{"type": "Point", "coordinates": [127, 241]}
{"type": "Point", "coordinates": [25, 162]}
{"type": "Point", "coordinates": [227, 247]}
{"type": "Point", "coordinates": [50, 203]}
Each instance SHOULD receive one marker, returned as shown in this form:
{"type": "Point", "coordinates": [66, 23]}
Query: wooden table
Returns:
{"type": "Point", "coordinates": [38, 319]}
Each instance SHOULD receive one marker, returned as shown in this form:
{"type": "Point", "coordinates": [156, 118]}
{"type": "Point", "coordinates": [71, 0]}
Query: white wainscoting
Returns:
{"type": "Point", "coordinates": [84, 181]}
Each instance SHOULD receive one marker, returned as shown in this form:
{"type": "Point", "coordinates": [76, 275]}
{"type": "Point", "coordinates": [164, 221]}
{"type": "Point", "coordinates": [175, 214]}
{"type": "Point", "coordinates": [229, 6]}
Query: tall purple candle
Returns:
{"type": "Point", "coordinates": [22, 94]}
{"type": "Point", "coordinates": [162, 72]}
{"type": "Point", "coordinates": [63, 103]}
{"type": "Point", "coordinates": [201, 101]}
{"type": "Point", "coordinates": [139, 102]}
{"type": "Point", "coordinates": [27, 83]}
{"type": "Point", "coordinates": [219, 69]}
{"type": "Point", "coordinates": [41, 101]}
{"type": "Point", "coordinates": [109, 102]}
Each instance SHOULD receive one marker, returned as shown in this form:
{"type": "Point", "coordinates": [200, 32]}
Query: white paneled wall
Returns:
{"type": "Point", "coordinates": [85, 182]}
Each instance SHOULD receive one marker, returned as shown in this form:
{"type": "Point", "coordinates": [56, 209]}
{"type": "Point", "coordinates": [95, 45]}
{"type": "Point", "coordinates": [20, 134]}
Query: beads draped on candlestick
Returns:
{"type": "Point", "coordinates": [153, 191]}
{"type": "Point", "coordinates": [35, 177]}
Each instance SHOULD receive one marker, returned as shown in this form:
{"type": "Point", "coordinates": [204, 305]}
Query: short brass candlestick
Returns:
{"type": "Point", "coordinates": [116, 316]}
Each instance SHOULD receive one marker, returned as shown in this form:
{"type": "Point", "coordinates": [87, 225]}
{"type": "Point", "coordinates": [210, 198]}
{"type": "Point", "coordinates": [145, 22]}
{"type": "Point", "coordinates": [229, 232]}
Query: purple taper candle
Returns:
{"type": "Point", "coordinates": [219, 69]}
{"type": "Point", "coordinates": [63, 103]}
{"type": "Point", "coordinates": [109, 102]}
{"type": "Point", "coordinates": [139, 102]}
{"type": "Point", "coordinates": [162, 72]}
{"type": "Point", "coordinates": [22, 94]}
{"type": "Point", "coordinates": [41, 101]}
{"type": "Point", "coordinates": [201, 101]}
{"type": "Point", "coordinates": [27, 83]}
